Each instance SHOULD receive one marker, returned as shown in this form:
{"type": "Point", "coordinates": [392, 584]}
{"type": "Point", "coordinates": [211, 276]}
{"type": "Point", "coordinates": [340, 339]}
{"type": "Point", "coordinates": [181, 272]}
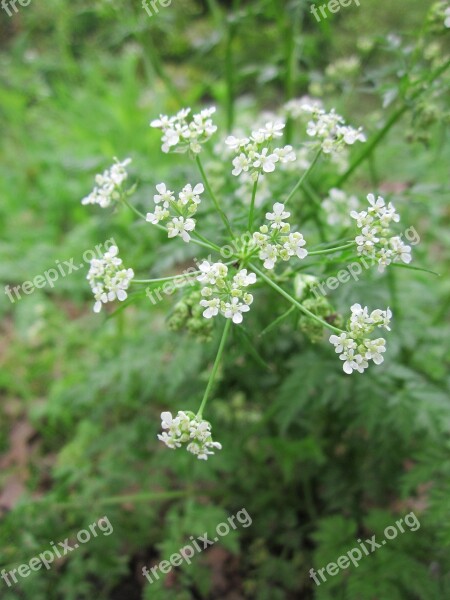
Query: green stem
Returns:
{"type": "Point", "coordinates": [215, 367]}
{"type": "Point", "coordinates": [303, 177]}
{"type": "Point", "coordinates": [204, 244]}
{"type": "Point", "coordinates": [331, 250]}
{"type": "Point", "coordinates": [162, 279]}
{"type": "Point", "coordinates": [375, 140]}
{"type": "Point", "coordinates": [251, 216]}
{"type": "Point", "coordinates": [213, 197]}
{"type": "Point", "coordinates": [294, 301]}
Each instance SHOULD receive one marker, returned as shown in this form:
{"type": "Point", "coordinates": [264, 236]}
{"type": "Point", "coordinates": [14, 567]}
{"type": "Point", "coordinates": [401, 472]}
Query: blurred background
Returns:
{"type": "Point", "coordinates": [318, 459]}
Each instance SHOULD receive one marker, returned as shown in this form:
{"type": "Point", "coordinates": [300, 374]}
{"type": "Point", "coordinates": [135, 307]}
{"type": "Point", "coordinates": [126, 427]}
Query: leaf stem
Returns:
{"type": "Point", "coordinates": [331, 250]}
{"type": "Point", "coordinates": [294, 301]}
{"type": "Point", "coordinates": [213, 197]}
{"type": "Point", "coordinates": [303, 177]}
{"type": "Point", "coordinates": [215, 367]}
{"type": "Point", "coordinates": [251, 215]}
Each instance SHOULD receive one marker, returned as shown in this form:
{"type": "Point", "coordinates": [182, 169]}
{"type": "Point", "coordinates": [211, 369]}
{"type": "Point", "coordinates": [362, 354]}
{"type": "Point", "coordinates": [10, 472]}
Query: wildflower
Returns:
{"type": "Point", "coordinates": [354, 346]}
{"type": "Point", "coordinates": [179, 212]}
{"type": "Point", "coordinates": [187, 427]}
{"type": "Point", "coordinates": [181, 134]}
{"type": "Point", "coordinates": [376, 240]}
{"type": "Point", "coordinates": [332, 133]}
{"type": "Point", "coordinates": [255, 154]}
{"type": "Point", "coordinates": [278, 241]}
{"type": "Point", "coordinates": [447, 17]}
{"type": "Point", "coordinates": [222, 295]}
{"type": "Point", "coordinates": [108, 185]}
{"type": "Point", "coordinates": [108, 279]}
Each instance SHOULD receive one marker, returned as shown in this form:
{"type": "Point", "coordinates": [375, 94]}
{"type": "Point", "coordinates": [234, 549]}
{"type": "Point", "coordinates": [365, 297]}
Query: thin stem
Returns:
{"type": "Point", "coordinates": [162, 279]}
{"type": "Point", "coordinates": [204, 244]}
{"type": "Point", "coordinates": [215, 367]}
{"type": "Point", "coordinates": [375, 140]}
{"type": "Point", "coordinates": [303, 177]}
{"type": "Point", "coordinates": [331, 250]}
{"type": "Point", "coordinates": [213, 197]}
{"type": "Point", "coordinates": [251, 216]}
{"type": "Point", "coordinates": [277, 321]}
{"type": "Point", "coordinates": [294, 301]}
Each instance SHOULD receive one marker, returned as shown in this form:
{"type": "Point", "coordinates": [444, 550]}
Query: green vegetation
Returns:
{"type": "Point", "coordinates": [319, 459]}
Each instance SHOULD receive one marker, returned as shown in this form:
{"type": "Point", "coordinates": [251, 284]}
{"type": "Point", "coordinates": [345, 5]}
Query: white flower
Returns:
{"type": "Point", "coordinates": [273, 130]}
{"type": "Point", "coordinates": [294, 245]}
{"type": "Point", "coordinates": [278, 215]}
{"type": "Point", "coordinates": [243, 279]}
{"type": "Point", "coordinates": [447, 17]}
{"type": "Point", "coordinates": [264, 161]}
{"type": "Point", "coordinates": [211, 306]}
{"type": "Point", "coordinates": [376, 240]}
{"type": "Point", "coordinates": [211, 273]}
{"type": "Point", "coordinates": [188, 194]}
{"type": "Point", "coordinates": [220, 295]}
{"type": "Point", "coordinates": [234, 309]}
{"type": "Point", "coordinates": [332, 133]}
{"type": "Point", "coordinates": [354, 347]}
{"type": "Point", "coordinates": [269, 254]}
{"type": "Point", "coordinates": [285, 154]}
{"type": "Point", "coordinates": [109, 185]}
{"type": "Point", "coordinates": [187, 427]}
{"type": "Point", "coordinates": [107, 279]}
{"type": "Point", "coordinates": [180, 226]}
{"type": "Point", "coordinates": [159, 215]}
{"type": "Point", "coordinates": [165, 196]}
{"type": "Point", "coordinates": [182, 135]}
{"type": "Point", "coordinates": [240, 163]}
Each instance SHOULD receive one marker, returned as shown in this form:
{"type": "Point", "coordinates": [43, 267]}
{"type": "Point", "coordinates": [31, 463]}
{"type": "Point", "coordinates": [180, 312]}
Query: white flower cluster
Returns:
{"type": "Point", "coordinates": [447, 17]}
{"type": "Point", "coordinates": [338, 206]}
{"type": "Point", "coordinates": [179, 212]}
{"type": "Point", "coordinates": [108, 188]}
{"type": "Point", "coordinates": [254, 154]}
{"type": "Point", "coordinates": [278, 241]}
{"type": "Point", "coordinates": [220, 294]}
{"type": "Point", "coordinates": [331, 130]}
{"type": "Point", "coordinates": [108, 279]}
{"type": "Point", "coordinates": [376, 240]}
{"type": "Point", "coordinates": [187, 427]}
{"type": "Point", "coordinates": [181, 135]}
{"type": "Point", "coordinates": [298, 107]}
{"type": "Point", "coordinates": [354, 347]}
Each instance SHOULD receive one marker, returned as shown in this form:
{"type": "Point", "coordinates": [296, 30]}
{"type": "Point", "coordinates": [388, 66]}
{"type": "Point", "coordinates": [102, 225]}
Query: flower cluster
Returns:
{"type": "Point", "coordinates": [354, 347]}
{"type": "Point", "coordinates": [254, 155]}
{"type": "Point", "coordinates": [376, 240]}
{"type": "Point", "coordinates": [277, 241]}
{"type": "Point", "coordinates": [178, 212]}
{"type": "Point", "coordinates": [187, 428]}
{"type": "Point", "coordinates": [447, 17]}
{"type": "Point", "coordinates": [298, 107]}
{"type": "Point", "coordinates": [338, 206]}
{"type": "Point", "coordinates": [220, 294]}
{"type": "Point", "coordinates": [181, 134]}
{"type": "Point", "coordinates": [330, 129]}
{"type": "Point", "coordinates": [108, 279]}
{"type": "Point", "coordinates": [109, 184]}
